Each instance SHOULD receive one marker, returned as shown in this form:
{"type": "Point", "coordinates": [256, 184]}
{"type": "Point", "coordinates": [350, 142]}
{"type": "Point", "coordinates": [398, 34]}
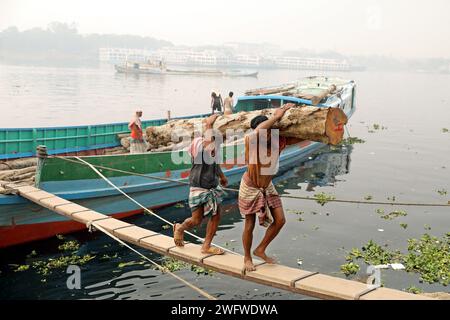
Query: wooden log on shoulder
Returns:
{"type": "Point", "coordinates": [303, 122]}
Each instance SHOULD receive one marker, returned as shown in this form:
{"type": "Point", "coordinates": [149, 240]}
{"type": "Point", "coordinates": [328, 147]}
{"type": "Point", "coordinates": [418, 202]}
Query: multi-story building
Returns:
{"type": "Point", "coordinates": [122, 54]}
{"type": "Point", "coordinates": [218, 58]}
{"type": "Point", "coordinates": [310, 63]}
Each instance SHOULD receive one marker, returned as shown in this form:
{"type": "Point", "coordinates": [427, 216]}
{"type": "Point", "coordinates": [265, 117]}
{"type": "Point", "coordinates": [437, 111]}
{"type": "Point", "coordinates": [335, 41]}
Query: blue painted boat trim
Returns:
{"type": "Point", "coordinates": [278, 97]}
{"type": "Point", "coordinates": [59, 151]}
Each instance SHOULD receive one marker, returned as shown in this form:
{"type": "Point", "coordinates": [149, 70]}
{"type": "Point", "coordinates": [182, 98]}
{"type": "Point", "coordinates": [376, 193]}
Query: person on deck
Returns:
{"type": "Point", "coordinates": [137, 143]}
{"type": "Point", "coordinates": [205, 191]}
{"type": "Point", "coordinates": [216, 102]}
{"type": "Point", "coordinates": [257, 195]}
{"type": "Point", "coordinates": [228, 104]}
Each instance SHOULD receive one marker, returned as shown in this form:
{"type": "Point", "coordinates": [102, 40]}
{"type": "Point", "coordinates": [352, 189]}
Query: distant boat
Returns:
{"type": "Point", "coordinates": [159, 67]}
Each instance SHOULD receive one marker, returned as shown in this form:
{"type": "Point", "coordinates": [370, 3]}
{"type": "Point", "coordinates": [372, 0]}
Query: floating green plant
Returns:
{"type": "Point", "coordinates": [394, 214]}
{"type": "Point", "coordinates": [445, 130]}
{"type": "Point", "coordinates": [322, 198]}
{"type": "Point", "coordinates": [428, 256]}
{"type": "Point", "coordinates": [173, 265]}
{"type": "Point", "coordinates": [21, 268]}
{"type": "Point", "coordinates": [200, 270]}
{"type": "Point", "coordinates": [374, 254]}
{"type": "Point", "coordinates": [69, 246]}
{"type": "Point", "coordinates": [368, 197]}
{"type": "Point", "coordinates": [413, 289]}
{"type": "Point", "coordinates": [45, 267]}
{"type": "Point", "coordinates": [349, 268]}
{"type": "Point", "coordinates": [442, 192]}
{"type": "Point", "coordinates": [404, 225]}
{"type": "Point", "coordinates": [351, 140]}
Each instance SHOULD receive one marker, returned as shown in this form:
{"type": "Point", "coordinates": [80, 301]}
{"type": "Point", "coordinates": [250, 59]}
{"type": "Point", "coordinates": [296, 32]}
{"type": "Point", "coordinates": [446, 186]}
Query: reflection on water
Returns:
{"type": "Point", "coordinates": [323, 169]}
{"type": "Point", "coordinates": [320, 169]}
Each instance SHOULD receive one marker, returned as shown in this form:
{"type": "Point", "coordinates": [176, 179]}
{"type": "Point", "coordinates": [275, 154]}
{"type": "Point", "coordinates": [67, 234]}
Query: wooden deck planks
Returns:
{"type": "Point", "coordinates": [327, 286]}
{"type": "Point", "coordinates": [276, 274]}
{"type": "Point", "coordinates": [189, 251]}
{"type": "Point", "coordinates": [292, 279]}
{"type": "Point", "coordinates": [133, 234]}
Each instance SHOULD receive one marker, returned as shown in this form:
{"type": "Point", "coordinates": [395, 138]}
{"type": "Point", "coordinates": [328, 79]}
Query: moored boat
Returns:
{"type": "Point", "coordinates": [160, 68]}
{"type": "Point", "coordinates": [22, 221]}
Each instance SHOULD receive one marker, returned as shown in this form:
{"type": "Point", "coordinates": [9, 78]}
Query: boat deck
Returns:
{"type": "Point", "coordinates": [291, 279]}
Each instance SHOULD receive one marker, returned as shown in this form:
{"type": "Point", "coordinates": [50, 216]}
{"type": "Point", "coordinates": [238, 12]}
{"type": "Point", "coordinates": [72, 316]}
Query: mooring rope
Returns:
{"type": "Point", "coordinates": [281, 195]}
{"type": "Point", "coordinates": [163, 269]}
{"type": "Point", "coordinates": [143, 207]}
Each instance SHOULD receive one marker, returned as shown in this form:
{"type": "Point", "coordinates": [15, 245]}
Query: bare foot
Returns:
{"type": "Point", "coordinates": [212, 250]}
{"type": "Point", "coordinates": [262, 255]}
{"type": "Point", "coordinates": [248, 264]}
{"type": "Point", "coordinates": [177, 235]}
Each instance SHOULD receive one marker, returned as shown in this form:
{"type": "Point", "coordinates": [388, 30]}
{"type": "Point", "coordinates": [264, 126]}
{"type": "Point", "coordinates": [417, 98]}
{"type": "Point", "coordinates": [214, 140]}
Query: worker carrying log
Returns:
{"type": "Point", "coordinates": [319, 124]}
{"type": "Point", "coordinates": [205, 192]}
{"type": "Point", "coordinates": [257, 194]}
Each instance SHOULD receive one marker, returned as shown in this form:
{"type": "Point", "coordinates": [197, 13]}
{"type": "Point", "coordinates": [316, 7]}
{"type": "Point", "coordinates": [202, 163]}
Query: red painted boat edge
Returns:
{"type": "Point", "coordinates": [24, 233]}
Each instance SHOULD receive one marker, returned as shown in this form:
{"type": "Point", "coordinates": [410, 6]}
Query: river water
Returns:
{"type": "Point", "coordinates": [407, 157]}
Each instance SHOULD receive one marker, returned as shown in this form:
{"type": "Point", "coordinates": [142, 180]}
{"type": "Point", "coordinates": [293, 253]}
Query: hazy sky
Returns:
{"type": "Point", "coordinates": [400, 28]}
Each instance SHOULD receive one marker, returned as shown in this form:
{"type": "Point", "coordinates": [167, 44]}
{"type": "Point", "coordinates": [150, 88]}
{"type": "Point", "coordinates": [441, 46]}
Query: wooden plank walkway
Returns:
{"type": "Point", "coordinates": [292, 279]}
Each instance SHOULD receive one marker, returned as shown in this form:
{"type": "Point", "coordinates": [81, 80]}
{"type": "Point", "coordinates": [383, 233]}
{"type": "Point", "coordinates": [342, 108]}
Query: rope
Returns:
{"type": "Point", "coordinates": [143, 207]}
{"type": "Point", "coordinates": [163, 269]}
{"type": "Point", "coordinates": [282, 196]}
{"type": "Point", "coordinates": [348, 132]}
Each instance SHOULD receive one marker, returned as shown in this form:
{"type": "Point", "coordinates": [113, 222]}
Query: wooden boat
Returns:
{"type": "Point", "coordinates": [22, 221]}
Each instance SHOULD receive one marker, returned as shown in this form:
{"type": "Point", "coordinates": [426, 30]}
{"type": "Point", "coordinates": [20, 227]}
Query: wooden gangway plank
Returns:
{"type": "Point", "coordinates": [291, 279]}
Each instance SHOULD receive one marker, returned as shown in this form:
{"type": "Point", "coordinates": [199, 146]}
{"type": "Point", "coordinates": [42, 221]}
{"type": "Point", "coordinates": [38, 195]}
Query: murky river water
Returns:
{"type": "Point", "coordinates": [409, 158]}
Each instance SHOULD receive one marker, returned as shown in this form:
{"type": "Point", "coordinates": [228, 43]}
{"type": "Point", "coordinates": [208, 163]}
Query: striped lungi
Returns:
{"type": "Point", "coordinates": [138, 146]}
{"type": "Point", "coordinates": [254, 200]}
{"type": "Point", "coordinates": [209, 199]}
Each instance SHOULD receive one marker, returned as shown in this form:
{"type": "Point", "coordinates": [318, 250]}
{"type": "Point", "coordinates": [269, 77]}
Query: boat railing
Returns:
{"type": "Point", "coordinates": [22, 142]}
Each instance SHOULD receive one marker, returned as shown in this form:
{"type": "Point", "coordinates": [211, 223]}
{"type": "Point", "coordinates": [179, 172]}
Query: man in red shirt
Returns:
{"type": "Point", "coordinates": [137, 143]}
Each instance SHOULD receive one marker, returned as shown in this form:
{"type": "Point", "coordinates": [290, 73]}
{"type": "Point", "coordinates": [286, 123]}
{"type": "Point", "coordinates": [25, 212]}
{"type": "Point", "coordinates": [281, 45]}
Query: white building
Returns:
{"type": "Point", "coordinates": [188, 57]}
{"type": "Point", "coordinates": [310, 63]}
{"type": "Point", "coordinates": [246, 60]}
{"type": "Point", "coordinates": [122, 54]}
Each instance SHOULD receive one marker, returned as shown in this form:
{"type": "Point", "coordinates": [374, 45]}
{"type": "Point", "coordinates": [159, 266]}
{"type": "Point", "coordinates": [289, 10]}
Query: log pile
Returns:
{"type": "Point", "coordinates": [22, 175]}
{"type": "Point", "coordinates": [303, 122]}
{"type": "Point", "coordinates": [293, 91]}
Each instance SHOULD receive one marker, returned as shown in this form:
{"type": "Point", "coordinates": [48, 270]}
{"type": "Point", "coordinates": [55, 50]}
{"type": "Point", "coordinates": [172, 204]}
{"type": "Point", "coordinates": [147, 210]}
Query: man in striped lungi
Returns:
{"type": "Point", "coordinates": [257, 195]}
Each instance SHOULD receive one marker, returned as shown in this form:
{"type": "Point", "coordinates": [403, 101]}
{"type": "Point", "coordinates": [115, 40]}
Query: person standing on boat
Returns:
{"type": "Point", "coordinates": [228, 103]}
{"type": "Point", "coordinates": [205, 193]}
{"type": "Point", "coordinates": [216, 102]}
{"type": "Point", "coordinates": [137, 143]}
{"type": "Point", "coordinates": [257, 195]}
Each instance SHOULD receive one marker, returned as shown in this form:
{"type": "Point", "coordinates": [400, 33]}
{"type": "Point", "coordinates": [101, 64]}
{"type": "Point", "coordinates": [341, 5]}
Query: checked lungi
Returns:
{"type": "Point", "coordinates": [254, 200]}
{"type": "Point", "coordinates": [209, 199]}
